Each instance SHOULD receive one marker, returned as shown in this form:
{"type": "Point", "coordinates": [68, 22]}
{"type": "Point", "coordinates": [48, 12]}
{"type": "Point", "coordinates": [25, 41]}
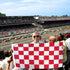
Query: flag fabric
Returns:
{"type": "Point", "coordinates": [38, 56]}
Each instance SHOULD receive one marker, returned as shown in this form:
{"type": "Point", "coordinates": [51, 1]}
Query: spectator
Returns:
{"type": "Point", "coordinates": [36, 38]}
{"type": "Point", "coordinates": [68, 50]}
{"type": "Point", "coordinates": [60, 37]}
{"type": "Point", "coordinates": [7, 62]}
{"type": "Point", "coordinates": [52, 39]}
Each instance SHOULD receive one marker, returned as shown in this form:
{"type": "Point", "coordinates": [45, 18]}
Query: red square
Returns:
{"type": "Point", "coordinates": [25, 48]}
{"type": "Point", "coordinates": [16, 56]}
{"type": "Point", "coordinates": [41, 52]}
{"type": "Point", "coordinates": [51, 52]}
{"type": "Point", "coordinates": [15, 48]}
{"type": "Point", "coordinates": [60, 52]}
{"type": "Point", "coordinates": [17, 65]}
{"type": "Point", "coordinates": [36, 66]}
{"type": "Point", "coordinates": [21, 61]}
{"type": "Point", "coordinates": [31, 45]}
{"type": "Point", "coordinates": [60, 43]}
{"type": "Point", "coordinates": [41, 45]}
{"type": "Point", "coordinates": [60, 61]}
{"type": "Point", "coordinates": [20, 52]}
{"type": "Point", "coordinates": [36, 57]}
{"type": "Point", "coordinates": [20, 45]}
{"type": "Point", "coordinates": [51, 44]}
{"type": "Point", "coordinates": [41, 61]}
{"type": "Point", "coordinates": [55, 65]}
{"type": "Point", "coordinates": [56, 57]}
{"type": "Point", "coordinates": [31, 52]}
{"type": "Point", "coordinates": [51, 61]}
{"type": "Point", "coordinates": [46, 57]}
{"type": "Point", "coordinates": [36, 48]}
{"type": "Point", "coordinates": [46, 66]}
{"type": "Point", "coordinates": [56, 48]}
{"type": "Point", "coordinates": [46, 48]}
{"type": "Point", "coordinates": [31, 61]}
{"type": "Point", "coordinates": [26, 57]}
{"type": "Point", "coordinates": [27, 66]}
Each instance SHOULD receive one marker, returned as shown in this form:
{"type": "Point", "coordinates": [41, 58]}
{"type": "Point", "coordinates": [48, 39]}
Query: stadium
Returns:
{"type": "Point", "coordinates": [19, 29]}
{"type": "Point", "coordinates": [35, 35]}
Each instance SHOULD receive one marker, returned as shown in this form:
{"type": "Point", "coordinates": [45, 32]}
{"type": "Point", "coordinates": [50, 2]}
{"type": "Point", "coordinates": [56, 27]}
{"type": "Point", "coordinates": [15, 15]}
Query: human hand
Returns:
{"type": "Point", "coordinates": [9, 60]}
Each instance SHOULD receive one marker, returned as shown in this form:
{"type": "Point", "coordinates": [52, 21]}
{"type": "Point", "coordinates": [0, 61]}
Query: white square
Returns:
{"type": "Point", "coordinates": [22, 66]}
{"type": "Point", "coordinates": [26, 53]}
{"type": "Point", "coordinates": [60, 65]}
{"type": "Point", "coordinates": [16, 61]}
{"type": "Point", "coordinates": [60, 56]}
{"type": "Point", "coordinates": [36, 52]}
{"type": "Point", "coordinates": [36, 61]}
{"type": "Point", "coordinates": [56, 43]}
{"type": "Point", "coordinates": [41, 48]}
{"type": "Point", "coordinates": [26, 61]}
{"type": "Point", "coordinates": [51, 65]}
{"type": "Point", "coordinates": [41, 66]}
{"type": "Point", "coordinates": [36, 45]}
{"type": "Point", "coordinates": [46, 61]}
{"type": "Point", "coordinates": [46, 44]}
{"type": "Point", "coordinates": [51, 57]}
{"type": "Point", "coordinates": [46, 52]}
{"type": "Point", "coordinates": [15, 52]}
{"type": "Point", "coordinates": [56, 61]}
{"type": "Point", "coordinates": [56, 52]}
{"type": "Point", "coordinates": [31, 48]}
{"type": "Point", "coordinates": [21, 56]}
{"type": "Point", "coordinates": [20, 48]}
{"type": "Point", "coordinates": [60, 48]}
{"type": "Point", "coordinates": [51, 48]}
{"type": "Point", "coordinates": [31, 66]}
{"type": "Point", "coordinates": [41, 57]}
{"type": "Point", "coordinates": [14, 45]}
{"type": "Point", "coordinates": [25, 45]}
{"type": "Point", "coordinates": [31, 57]}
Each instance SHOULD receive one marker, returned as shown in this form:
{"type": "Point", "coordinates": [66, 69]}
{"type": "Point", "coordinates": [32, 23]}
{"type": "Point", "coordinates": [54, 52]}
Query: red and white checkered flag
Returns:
{"type": "Point", "coordinates": [38, 56]}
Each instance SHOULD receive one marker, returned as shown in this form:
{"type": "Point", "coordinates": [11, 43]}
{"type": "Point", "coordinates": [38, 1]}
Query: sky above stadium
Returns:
{"type": "Point", "coordinates": [35, 7]}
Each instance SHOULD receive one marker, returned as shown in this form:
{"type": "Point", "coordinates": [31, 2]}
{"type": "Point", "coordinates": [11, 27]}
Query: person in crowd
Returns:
{"type": "Point", "coordinates": [36, 38]}
{"type": "Point", "coordinates": [8, 61]}
{"type": "Point", "coordinates": [13, 68]}
{"type": "Point", "coordinates": [52, 39]}
{"type": "Point", "coordinates": [60, 37]}
{"type": "Point", "coordinates": [67, 36]}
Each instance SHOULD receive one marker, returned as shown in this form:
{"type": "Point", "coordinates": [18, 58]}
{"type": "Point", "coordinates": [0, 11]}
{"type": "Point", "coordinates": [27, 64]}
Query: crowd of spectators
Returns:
{"type": "Point", "coordinates": [65, 38]}
{"type": "Point", "coordinates": [51, 24]}
{"type": "Point", "coordinates": [54, 18]}
{"type": "Point", "coordinates": [11, 20]}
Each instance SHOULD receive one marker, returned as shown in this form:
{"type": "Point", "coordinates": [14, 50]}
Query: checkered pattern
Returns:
{"type": "Point", "coordinates": [38, 56]}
